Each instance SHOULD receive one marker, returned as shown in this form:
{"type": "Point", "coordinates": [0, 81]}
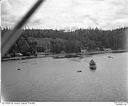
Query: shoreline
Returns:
{"type": "Point", "coordinates": [66, 55]}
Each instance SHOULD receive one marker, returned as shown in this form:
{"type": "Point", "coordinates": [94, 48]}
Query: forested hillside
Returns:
{"type": "Point", "coordinates": [56, 41]}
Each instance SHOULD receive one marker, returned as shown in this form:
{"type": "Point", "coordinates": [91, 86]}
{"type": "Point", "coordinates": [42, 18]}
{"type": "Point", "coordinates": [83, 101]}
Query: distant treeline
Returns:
{"type": "Point", "coordinates": [56, 41]}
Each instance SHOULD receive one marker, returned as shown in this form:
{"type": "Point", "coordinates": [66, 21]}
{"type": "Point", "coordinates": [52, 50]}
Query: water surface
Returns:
{"type": "Point", "coordinates": [48, 79]}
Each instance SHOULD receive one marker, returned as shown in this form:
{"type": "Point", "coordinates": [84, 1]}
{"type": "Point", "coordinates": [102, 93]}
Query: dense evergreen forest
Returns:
{"type": "Point", "coordinates": [56, 41]}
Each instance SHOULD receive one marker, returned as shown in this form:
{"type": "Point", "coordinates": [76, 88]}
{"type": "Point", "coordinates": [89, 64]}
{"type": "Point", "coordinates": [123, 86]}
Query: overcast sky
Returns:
{"type": "Point", "coordinates": [59, 14]}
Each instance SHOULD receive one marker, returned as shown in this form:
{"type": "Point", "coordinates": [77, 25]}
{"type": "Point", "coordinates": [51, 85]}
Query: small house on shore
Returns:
{"type": "Point", "coordinates": [107, 49]}
{"type": "Point", "coordinates": [84, 51]}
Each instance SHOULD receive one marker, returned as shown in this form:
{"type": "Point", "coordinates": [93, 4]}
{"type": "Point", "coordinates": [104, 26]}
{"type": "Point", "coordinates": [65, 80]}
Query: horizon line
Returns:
{"type": "Point", "coordinates": [64, 29]}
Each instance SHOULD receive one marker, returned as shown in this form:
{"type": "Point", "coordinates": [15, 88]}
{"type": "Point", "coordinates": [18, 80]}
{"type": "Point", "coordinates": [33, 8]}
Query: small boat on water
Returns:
{"type": "Point", "coordinates": [109, 56]}
{"type": "Point", "coordinates": [92, 65]}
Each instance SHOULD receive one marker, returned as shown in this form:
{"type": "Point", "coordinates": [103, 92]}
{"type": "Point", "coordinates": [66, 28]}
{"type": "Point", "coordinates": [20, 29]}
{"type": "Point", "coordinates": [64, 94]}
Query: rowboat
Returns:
{"type": "Point", "coordinates": [92, 65]}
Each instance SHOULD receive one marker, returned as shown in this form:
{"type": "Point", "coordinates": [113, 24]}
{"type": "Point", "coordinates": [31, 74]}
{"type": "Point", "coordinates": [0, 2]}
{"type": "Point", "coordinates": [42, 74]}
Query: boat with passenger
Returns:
{"type": "Point", "coordinates": [92, 65]}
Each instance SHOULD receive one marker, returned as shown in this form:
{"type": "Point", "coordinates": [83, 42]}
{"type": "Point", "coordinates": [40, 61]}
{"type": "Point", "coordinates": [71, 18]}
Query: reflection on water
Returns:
{"type": "Point", "coordinates": [66, 79]}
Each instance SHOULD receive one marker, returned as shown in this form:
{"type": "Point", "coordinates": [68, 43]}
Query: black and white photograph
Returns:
{"type": "Point", "coordinates": [64, 50]}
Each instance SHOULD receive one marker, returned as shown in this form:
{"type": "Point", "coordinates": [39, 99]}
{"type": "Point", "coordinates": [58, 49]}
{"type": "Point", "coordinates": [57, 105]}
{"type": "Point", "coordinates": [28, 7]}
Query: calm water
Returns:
{"type": "Point", "coordinates": [48, 79]}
